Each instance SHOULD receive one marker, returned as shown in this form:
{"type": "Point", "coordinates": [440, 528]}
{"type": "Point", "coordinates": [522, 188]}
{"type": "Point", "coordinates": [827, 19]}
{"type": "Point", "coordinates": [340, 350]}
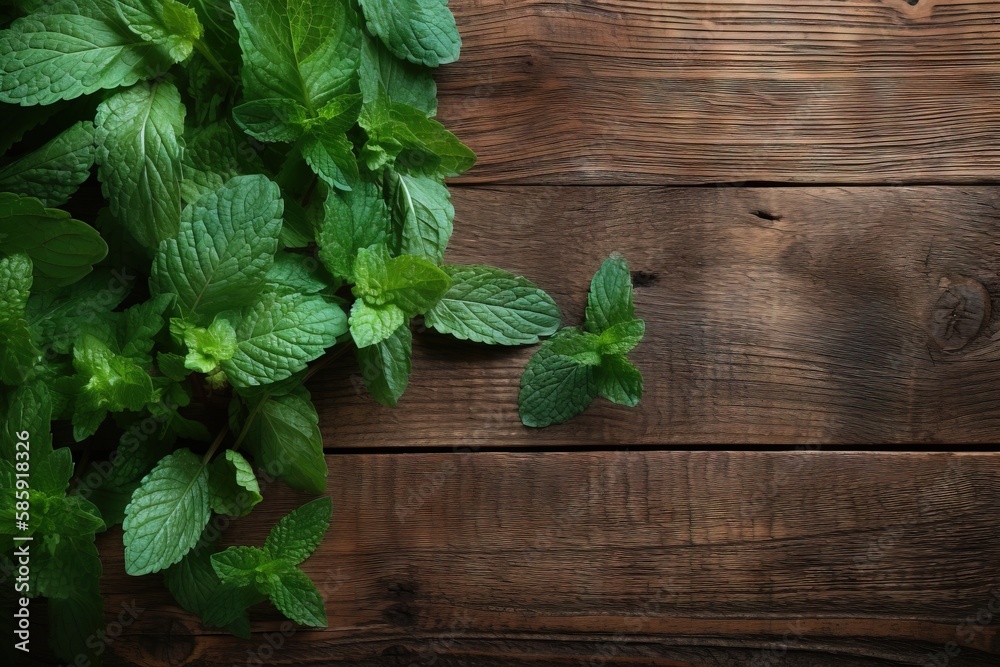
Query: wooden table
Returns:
{"type": "Point", "coordinates": [802, 188]}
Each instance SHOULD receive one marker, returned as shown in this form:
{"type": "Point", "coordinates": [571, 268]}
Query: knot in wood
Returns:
{"type": "Point", "coordinates": [959, 313]}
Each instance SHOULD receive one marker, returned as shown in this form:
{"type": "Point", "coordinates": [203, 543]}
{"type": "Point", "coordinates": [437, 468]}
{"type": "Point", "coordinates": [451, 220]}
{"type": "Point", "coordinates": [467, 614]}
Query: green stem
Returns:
{"type": "Point", "coordinates": [207, 53]}
{"type": "Point", "coordinates": [215, 445]}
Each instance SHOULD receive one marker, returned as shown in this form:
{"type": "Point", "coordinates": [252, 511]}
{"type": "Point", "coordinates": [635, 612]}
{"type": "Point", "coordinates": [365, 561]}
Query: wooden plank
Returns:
{"type": "Point", "coordinates": [773, 315]}
{"type": "Point", "coordinates": [666, 558]}
{"type": "Point", "coordinates": [625, 91]}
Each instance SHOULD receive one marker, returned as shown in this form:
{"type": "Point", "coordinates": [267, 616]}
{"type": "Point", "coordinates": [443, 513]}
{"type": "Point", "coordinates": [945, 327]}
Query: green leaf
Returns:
{"type": "Point", "coordinates": [168, 23]}
{"type": "Point", "coordinates": [30, 409]}
{"type": "Point", "coordinates": [224, 248]}
{"type": "Point", "coordinates": [282, 433]}
{"type": "Point", "coordinates": [62, 250]}
{"type": "Point", "coordinates": [18, 353]}
{"type": "Point", "coordinates": [488, 305]}
{"type": "Point", "coordinates": [296, 536]}
{"type": "Point", "coordinates": [237, 566]}
{"type": "Point", "coordinates": [421, 31]}
{"type": "Point", "coordinates": [386, 366]}
{"type": "Point", "coordinates": [619, 381]}
{"type": "Point", "coordinates": [207, 348]}
{"type": "Point", "coordinates": [72, 49]}
{"type": "Point", "coordinates": [295, 596]}
{"type": "Point", "coordinates": [556, 387]}
{"type": "Point", "coordinates": [331, 156]}
{"type": "Point", "coordinates": [279, 335]}
{"type": "Point", "coordinates": [211, 157]}
{"type": "Point", "coordinates": [622, 337]}
{"type": "Point", "coordinates": [411, 283]}
{"type": "Point", "coordinates": [56, 170]}
{"type": "Point", "coordinates": [354, 220]}
{"type": "Point", "coordinates": [108, 382]}
{"type": "Point", "coordinates": [167, 513]}
{"type": "Point", "coordinates": [307, 50]}
{"type": "Point", "coordinates": [416, 143]}
{"type": "Point", "coordinates": [197, 588]}
{"type": "Point", "coordinates": [139, 146]}
{"type": "Point", "coordinates": [232, 485]}
{"type": "Point", "coordinates": [610, 298]}
{"type": "Point", "coordinates": [385, 77]}
{"type": "Point", "coordinates": [371, 325]}
{"type": "Point", "coordinates": [271, 119]}
{"type": "Point", "coordinates": [76, 618]}
{"type": "Point", "coordinates": [293, 272]}
{"type": "Point", "coordinates": [423, 212]}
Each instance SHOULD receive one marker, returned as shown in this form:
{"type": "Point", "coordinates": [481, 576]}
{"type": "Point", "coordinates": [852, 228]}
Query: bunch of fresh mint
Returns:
{"type": "Point", "coordinates": [273, 187]}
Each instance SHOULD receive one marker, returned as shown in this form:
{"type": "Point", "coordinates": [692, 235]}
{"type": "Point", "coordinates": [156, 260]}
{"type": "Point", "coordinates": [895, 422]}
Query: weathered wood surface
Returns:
{"type": "Point", "coordinates": [774, 315]}
{"type": "Point", "coordinates": [730, 91]}
{"type": "Point", "coordinates": [645, 558]}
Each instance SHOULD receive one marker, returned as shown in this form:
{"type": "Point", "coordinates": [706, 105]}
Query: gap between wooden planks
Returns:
{"type": "Point", "coordinates": [643, 558]}
{"type": "Point", "coordinates": [618, 91]}
{"type": "Point", "coordinates": [774, 315]}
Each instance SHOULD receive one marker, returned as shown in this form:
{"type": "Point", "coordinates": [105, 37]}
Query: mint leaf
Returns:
{"type": "Point", "coordinates": [421, 31]}
{"type": "Point", "coordinates": [411, 283]}
{"type": "Point", "coordinates": [139, 139]}
{"type": "Point", "coordinates": [331, 156]}
{"type": "Point", "coordinates": [56, 170]}
{"type": "Point", "coordinates": [279, 335]}
{"type": "Point", "coordinates": [622, 337]}
{"type": "Point", "coordinates": [282, 433]}
{"type": "Point", "coordinates": [77, 614]}
{"type": "Point", "coordinates": [70, 50]}
{"type": "Point", "coordinates": [237, 566]}
{"type": "Point", "coordinates": [488, 305]}
{"type": "Point", "coordinates": [18, 353]}
{"type": "Point", "coordinates": [224, 248]}
{"type": "Point", "coordinates": [232, 485]}
{"type": "Point", "coordinates": [62, 250]}
{"type": "Point", "coordinates": [385, 366]}
{"type": "Point", "coordinates": [610, 299]}
{"type": "Point", "coordinates": [168, 23]}
{"type": "Point", "coordinates": [293, 272]}
{"type": "Point", "coordinates": [354, 220]}
{"type": "Point", "coordinates": [619, 381]}
{"type": "Point", "coordinates": [207, 348]}
{"type": "Point", "coordinates": [294, 595]}
{"type": "Point", "coordinates": [197, 588]}
{"type": "Point", "coordinates": [388, 79]}
{"type": "Point", "coordinates": [423, 213]}
{"type": "Point", "coordinates": [271, 119]}
{"type": "Point", "coordinates": [307, 50]}
{"type": "Point", "coordinates": [556, 387]}
{"type": "Point", "coordinates": [296, 536]}
{"type": "Point", "coordinates": [167, 513]}
{"type": "Point", "coordinates": [373, 324]}
{"type": "Point", "coordinates": [414, 143]}
{"type": "Point", "coordinates": [211, 157]}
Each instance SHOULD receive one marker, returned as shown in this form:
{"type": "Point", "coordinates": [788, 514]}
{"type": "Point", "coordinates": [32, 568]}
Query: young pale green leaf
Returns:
{"type": "Point", "coordinates": [73, 49]}
{"type": "Point", "coordinates": [388, 79]}
{"type": "Point", "coordinates": [167, 513]}
{"type": "Point", "coordinates": [303, 50]}
{"type": "Point", "coordinates": [488, 305]}
{"type": "Point", "coordinates": [207, 348]}
{"type": "Point", "coordinates": [295, 596]}
{"type": "Point", "coordinates": [411, 283]}
{"type": "Point", "coordinates": [141, 323]}
{"type": "Point", "coordinates": [619, 381]}
{"type": "Point", "coordinates": [271, 119]}
{"type": "Point", "coordinates": [108, 382]}
{"type": "Point", "coordinates": [279, 334]}
{"type": "Point", "coordinates": [224, 248]}
{"type": "Point", "coordinates": [238, 566]}
{"type": "Point", "coordinates": [139, 145]}
{"type": "Point", "coordinates": [385, 366]}
{"type": "Point", "coordinates": [354, 220]}
{"type": "Point", "coordinates": [555, 386]}
{"type": "Point", "coordinates": [299, 532]}
{"type": "Point", "coordinates": [371, 325]}
{"type": "Point", "coordinates": [232, 485]}
{"type": "Point", "coordinates": [417, 144]}
{"type": "Point", "coordinates": [610, 299]}
{"type": "Point", "coordinates": [168, 23]}
{"type": "Point", "coordinates": [62, 250]}
{"type": "Point", "coordinates": [422, 214]}
{"type": "Point", "coordinates": [282, 433]}
{"type": "Point", "coordinates": [622, 337]}
{"type": "Point", "coordinates": [421, 31]}
{"type": "Point", "coordinates": [56, 170]}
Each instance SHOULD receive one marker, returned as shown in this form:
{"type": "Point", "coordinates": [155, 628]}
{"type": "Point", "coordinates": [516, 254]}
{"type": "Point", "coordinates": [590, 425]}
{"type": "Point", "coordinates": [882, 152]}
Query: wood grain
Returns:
{"type": "Point", "coordinates": [774, 315]}
{"type": "Point", "coordinates": [652, 558]}
{"type": "Point", "coordinates": [728, 91]}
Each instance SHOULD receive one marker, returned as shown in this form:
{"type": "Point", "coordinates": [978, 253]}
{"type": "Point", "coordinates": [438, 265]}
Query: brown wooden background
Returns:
{"type": "Point", "coordinates": [796, 184]}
